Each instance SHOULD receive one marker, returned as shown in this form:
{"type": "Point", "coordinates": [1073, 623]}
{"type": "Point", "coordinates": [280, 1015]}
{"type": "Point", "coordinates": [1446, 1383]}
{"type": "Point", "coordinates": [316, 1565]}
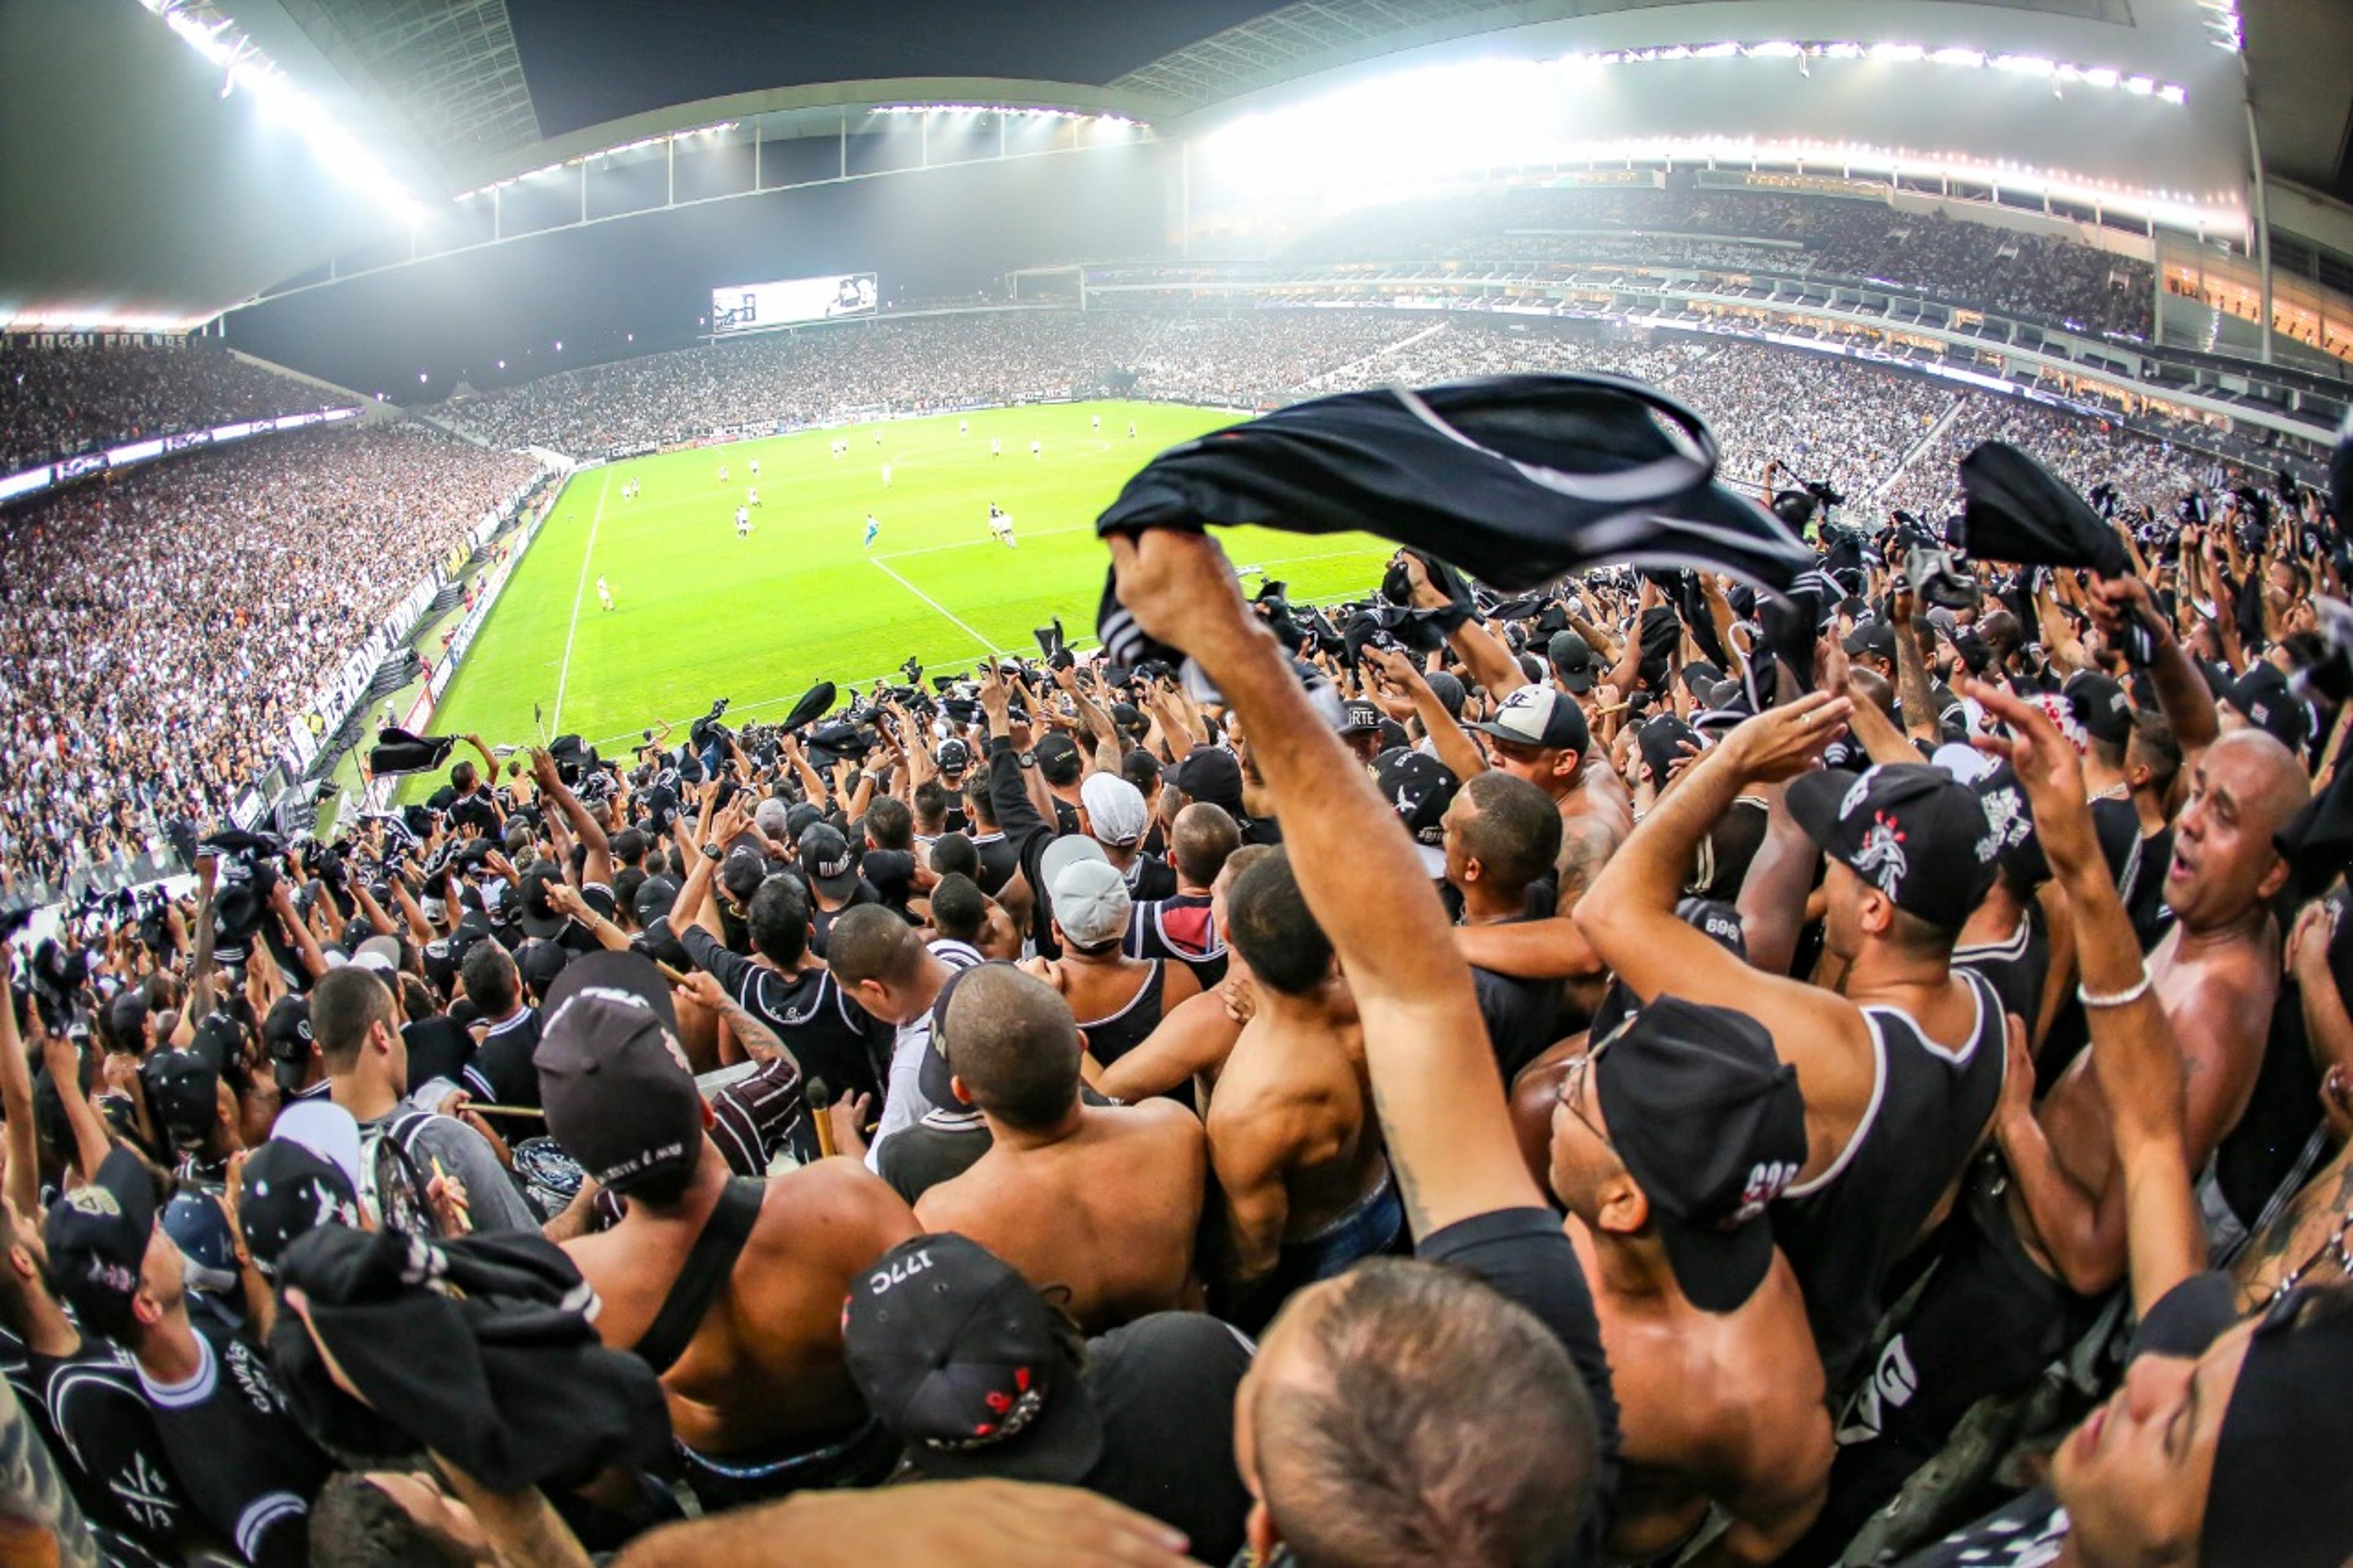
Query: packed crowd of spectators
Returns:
{"type": "Point", "coordinates": [986, 357]}
{"type": "Point", "coordinates": [2038, 276]}
{"type": "Point", "coordinates": [1837, 1062]}
{"type": "Point", "coordinates": [159, 631]}
{"type": "Point", "coordinates": [1252, 361]}
{"type": "Point", "coordinates": [56, 401]}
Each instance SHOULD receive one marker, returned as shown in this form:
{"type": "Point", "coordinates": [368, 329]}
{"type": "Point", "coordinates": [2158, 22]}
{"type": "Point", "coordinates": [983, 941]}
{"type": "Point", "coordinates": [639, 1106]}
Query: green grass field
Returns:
{"type": "Point", "coordinates": [700, 614]}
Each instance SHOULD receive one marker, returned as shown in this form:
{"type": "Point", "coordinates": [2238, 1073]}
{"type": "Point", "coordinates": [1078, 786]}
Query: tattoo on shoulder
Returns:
{"type": "Point", "coordinates": [1585, 846]}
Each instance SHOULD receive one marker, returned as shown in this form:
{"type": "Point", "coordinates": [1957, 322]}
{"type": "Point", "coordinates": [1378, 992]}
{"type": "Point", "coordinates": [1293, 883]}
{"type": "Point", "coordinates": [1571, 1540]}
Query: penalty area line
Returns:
{"type": "Point", "coordinates": [587, 554]}
{"type": "Point", "coordinates": [966, 625]}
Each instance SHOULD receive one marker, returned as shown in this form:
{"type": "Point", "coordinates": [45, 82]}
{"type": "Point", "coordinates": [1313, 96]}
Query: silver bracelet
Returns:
{"type": "Point", "coordinates": [2119, 999]}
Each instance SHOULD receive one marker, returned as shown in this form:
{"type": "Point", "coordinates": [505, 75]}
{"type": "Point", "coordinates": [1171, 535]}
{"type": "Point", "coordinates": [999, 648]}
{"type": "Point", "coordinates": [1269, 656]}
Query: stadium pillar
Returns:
{"type": "Point", "coordinates": [1183, 198]}
{"type": "Point", "coordinates": [2263, 233]}
{"type": "Point", "coordinates": [669, 172]}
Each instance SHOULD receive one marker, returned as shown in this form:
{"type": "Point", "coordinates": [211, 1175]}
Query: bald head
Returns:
{"type": "Point", "coordinates": [1199, 840]}
{"type": "Point", "coordinates": [870, 942]}
{"type": "Point", "coordinates": [1012, 1040]}
{"type": "Point", "coordinates": [2242, 791]}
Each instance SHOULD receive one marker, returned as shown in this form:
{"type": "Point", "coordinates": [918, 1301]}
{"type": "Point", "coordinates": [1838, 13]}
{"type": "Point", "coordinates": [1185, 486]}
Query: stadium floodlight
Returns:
{"type": "Point", "coordinates": [1777, 49]}
{"type": "Point", "coordinates": [201, 24]}
{"type": "Point", "coordinates": [1973, 59]}
{"type": "Point", "coordinates": [1898, 54]}
{"type": "Point", "coordinates": [94, 319]}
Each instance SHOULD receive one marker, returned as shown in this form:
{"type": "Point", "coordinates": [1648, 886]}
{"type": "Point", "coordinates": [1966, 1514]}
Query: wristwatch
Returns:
{"type": "Point", "coordinates": [710, 851]}
{"type": "Point", "coordinates": [1027, 759]}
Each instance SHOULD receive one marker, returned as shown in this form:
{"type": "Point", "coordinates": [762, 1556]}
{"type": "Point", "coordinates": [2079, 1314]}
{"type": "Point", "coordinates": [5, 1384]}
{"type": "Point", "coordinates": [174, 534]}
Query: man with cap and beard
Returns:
{"type": "Point", "coordinates": [1298, 1157]}
{"type": "Point", "coordinates": [731, 1290]}
{"type": "Point", "coordinates": [1102, 1201]}
{"type": "Point", "coordinates": [1902, 1072]}
{"type": "Point", "coordinates": [1539, 735]}
{"type": "Point", "coordinates": [1669, 1141]}
{"type": "Point", "coordinates": [224, 1422]}
{"type": "Point", "coordinates": [1117, 1000]}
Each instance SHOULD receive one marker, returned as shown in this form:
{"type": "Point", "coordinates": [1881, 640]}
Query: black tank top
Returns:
{"type": "Point", "coordinates": [1108, 1039]}
{"type": "Point", "coordinates": [1845, 1232]}
{"type": "Point", "coordinates": [2015, 966]}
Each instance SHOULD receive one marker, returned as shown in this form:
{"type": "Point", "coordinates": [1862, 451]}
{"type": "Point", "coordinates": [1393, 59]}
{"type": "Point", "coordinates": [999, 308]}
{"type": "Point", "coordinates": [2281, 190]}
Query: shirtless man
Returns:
{"type": "Point", "coordinates": [1667, 1142]}
{"type": "Point", "coordinates": [731, 1290]}
{"type": "Point", "coordinates": [1185, 1056]}
{"type": "Point", "coordinates": [1539, 735]}
{"type": "Point", "coordinates": [1292, 1130]}
{"type": "Point", "coordinates": [1901, 1072]}
{"type": "Point", "coordinates": [1100, 1201]}
{"type": "Point", "coordinates": [1118, 1001]}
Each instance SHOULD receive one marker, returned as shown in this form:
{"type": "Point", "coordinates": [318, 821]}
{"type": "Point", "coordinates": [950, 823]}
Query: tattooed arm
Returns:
{"type": "Point", "coordinates": [32, 1495]}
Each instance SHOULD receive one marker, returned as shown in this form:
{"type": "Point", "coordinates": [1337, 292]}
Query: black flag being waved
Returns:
{"type": "Point", "coordinates": [1517, 480]}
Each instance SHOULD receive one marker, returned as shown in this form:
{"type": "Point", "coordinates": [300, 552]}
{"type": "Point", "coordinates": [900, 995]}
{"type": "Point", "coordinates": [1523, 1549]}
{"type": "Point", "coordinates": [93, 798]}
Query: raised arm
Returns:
{"type": "Point", "coordinates": [2134, 1050]}
{"type": "Point", "coordinates": [597, 870]}
{"type": "Point", "coordinates": [2183, 695]}
{"type": "Point", "coordinates": [1454, 748]}
{"type": "Point", "coordinates": [1434, 1081]}
{"type": "Point", "coordinates": [1630, 915]}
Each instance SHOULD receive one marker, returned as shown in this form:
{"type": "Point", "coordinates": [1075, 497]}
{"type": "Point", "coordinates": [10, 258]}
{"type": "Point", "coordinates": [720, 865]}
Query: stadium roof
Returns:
{"type": "Point", "coordinates": [134, 184]}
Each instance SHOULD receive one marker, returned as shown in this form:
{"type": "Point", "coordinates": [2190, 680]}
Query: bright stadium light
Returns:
{"type": "Point", "coordinates": [204, 28]}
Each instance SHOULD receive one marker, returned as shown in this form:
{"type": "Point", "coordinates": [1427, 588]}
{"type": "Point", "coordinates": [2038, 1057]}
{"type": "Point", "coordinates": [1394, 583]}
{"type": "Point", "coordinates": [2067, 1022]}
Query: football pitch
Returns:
{"type": "Point", "coordinates": [699, 613]}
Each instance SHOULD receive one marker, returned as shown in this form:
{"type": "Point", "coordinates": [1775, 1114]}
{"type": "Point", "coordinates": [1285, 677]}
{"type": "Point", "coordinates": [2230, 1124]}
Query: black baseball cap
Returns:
{"type": "Point", "coordinates": [654, 897]}
{"type": "Point", "coordinates": [1662, 742]}
{"type": "Point", "coordinates": [1541, 717]}
{"type": "Point", "coordinates": [1711, 1126]}
{"type": "Point", "coordinates": [184, 1091]}
{"type": "Point", "coordinates": [219, 1039]}
{"type": "Point", "coordinates": [97, 1236]}
{"type": "Point", "coordinates": [538, 962]}
{"type": "Point", "coordinates": [1210, 773]}
{"type": "Point", "coordinates": [613, 1078]}
{"type": "Point", "coordinates": [955, 756]}
{"type": "Point", "coordinates": [1418, 788]}
{"type": "Point", "coordinates": [2277, 1496]}
{"type": "Point", "coordinates": [2102, 706]}
{"type": "Point", "coordinates": [958, 1359]}
{"type": "Point", "coordinates": [1714, 919]}
{"type": "Point", "coordinates": [1447, 687]}
{"type": "Point", "coordinates": [2261, 697]}
{"type": "Point", "coordinates": [1874, 638]}
{"type": "Point", "coordinates": [286, 1034]}
{"type": "Point", "coordinates": [1360, 718]}
{"type": "Point", "coordinates": [289, 1192]}
{"type": "Point", "coordinates": [1058, 757]}
{"type": "Point", "coordinates": [1909, 829]}
{"type": "Point", "coordinates": [1571, 657]}
{"type": "Point", "coordinates": [126, 1018]}
{"type": "Point", "coordinates": [826, 862]}
{"type": "Point", "coordinates": [538, 916]}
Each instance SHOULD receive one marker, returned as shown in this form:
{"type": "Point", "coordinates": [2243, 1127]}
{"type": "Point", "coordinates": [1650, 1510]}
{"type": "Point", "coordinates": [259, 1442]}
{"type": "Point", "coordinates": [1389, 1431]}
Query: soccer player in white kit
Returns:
{"type": "Point", "coordinates": [886, 476]}
{"type": "Point", "coordinates": [878, 435]}
{"type": "Point", "coordinates": [743, 522]}
{"type": "Point", "coordinates": [723, 473]}
{"type": "Point", "coordinates": [604, 593]}
{"type": "Point", "coordinates": [1096, 421]}
{"type": "Point", "coordinates": [1131, 429]}
{"type": "Point", "coordinates": [1000, 523]}
{"type": "Point", "coordinates": [1036, 450]}
{"type": "Point", "coordinates": [995, 447]}
{"type": "Point", "coordinates": [752, 496]}
{"type": "Point", "coordinates": [963, 426]}
{"type": "Point", "coordinates": [755, 467]}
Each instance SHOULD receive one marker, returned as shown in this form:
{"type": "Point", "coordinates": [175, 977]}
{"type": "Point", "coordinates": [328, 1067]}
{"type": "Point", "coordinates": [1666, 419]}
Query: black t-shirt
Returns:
{"type": "Point", "coordinates": [248, 1468]}
{"type": "Point", "coordinates": [113, 1453]}
{"type": "Point", "coordinates": [1524, 1254]}
{"type": "Point", "coordinates": [437, 1047]}
{"type": "Point", "coordinates": [1164, 1388]}
{"type": "Point", "coordinates": [2031, 1531]}
{"type": "Point", "coordinates": [576, 937]}
{"type": "Point", "coordinates": [1000, 857]}
{"type": "Point", "coordinates": [822, 918]}
{"type": "Point", "coordinates": [1152, 877]}
{"type": "Point", "coordinates": [830, 1036]}
{"type": "Point", "coordinates": [501, 1072]}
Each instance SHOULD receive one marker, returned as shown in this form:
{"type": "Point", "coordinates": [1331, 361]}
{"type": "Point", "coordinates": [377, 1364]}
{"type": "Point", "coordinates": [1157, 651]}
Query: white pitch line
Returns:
{"type": "Point", "coordinates": [934, 603]}
{"type": "Point", "coordinates": [564, 674]}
